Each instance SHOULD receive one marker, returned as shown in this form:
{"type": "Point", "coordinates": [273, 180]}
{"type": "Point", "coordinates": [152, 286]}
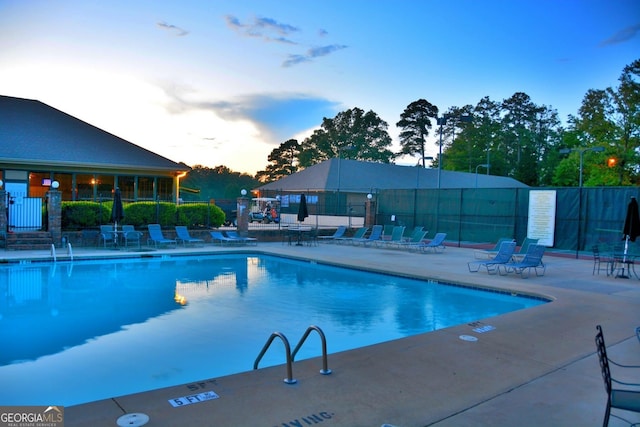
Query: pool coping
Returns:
{"type": "Point", "coordinates": [429, 379]}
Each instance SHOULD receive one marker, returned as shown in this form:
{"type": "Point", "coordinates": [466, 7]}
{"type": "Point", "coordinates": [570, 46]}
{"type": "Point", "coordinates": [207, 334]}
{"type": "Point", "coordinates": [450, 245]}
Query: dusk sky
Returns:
{"type": "Point", "coordinates": [223, 82]}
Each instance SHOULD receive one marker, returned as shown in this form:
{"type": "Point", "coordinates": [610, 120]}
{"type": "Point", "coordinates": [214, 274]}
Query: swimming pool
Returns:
{"type": "Point", "coordinates": [89, 330]}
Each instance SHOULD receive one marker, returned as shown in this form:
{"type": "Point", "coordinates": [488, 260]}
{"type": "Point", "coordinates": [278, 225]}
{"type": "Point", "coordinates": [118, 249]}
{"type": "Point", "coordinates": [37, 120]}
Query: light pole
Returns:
{"type": "Point", "coordinates": [581, 152]}
{"type": "Point", "coordinates": [340, 150]}
{"type": "Point", "coordinates": [484, 165]}
{"type": "Point", "coordinates": [441, 121]}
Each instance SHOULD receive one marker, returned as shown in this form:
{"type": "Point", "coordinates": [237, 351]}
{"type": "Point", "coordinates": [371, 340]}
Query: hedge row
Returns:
{"type": "Point", "coordinates": [82, 215]}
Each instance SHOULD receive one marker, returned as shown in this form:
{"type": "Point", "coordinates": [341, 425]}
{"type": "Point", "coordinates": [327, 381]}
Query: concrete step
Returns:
{"type": "Point", "coordinates": [29, 240]}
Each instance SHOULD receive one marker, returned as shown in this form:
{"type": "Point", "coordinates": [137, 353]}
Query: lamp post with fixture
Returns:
{"type": "Point", "coordinates": [581, 151]}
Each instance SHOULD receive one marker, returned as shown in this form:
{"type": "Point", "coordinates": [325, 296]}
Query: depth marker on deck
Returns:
{"type": "Point", "coordinates": [193, 398]}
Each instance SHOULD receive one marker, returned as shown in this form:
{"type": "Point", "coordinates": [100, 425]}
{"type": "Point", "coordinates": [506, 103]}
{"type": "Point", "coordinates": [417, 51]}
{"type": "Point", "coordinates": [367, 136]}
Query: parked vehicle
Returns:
{"type": "Point", "coordinates": [264, 209]}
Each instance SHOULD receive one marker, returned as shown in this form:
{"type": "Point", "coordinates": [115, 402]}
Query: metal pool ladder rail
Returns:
{"type": "Point", "coordinates": [291, 356]}
{"type": "Point", "coordinates": [325, 369]}
{"type": "Point", "coordinates": [69, 252]}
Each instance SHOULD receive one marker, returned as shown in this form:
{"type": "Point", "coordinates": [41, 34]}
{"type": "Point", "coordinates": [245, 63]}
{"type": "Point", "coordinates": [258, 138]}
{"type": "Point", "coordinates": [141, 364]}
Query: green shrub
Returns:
{"type": "Point", "coordinates": [79, 215]}
{"type": "Point", "coordinates": [198, 215]}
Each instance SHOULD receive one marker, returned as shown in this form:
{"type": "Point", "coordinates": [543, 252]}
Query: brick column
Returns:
{"type": "Point", "coordinates": [369, 213]}
{"type": "Point", "coordinates": [243, 215]}
{"type": "Point", "coordinates": [54, 215]}
{"type": "Point", "coordinates": [3, 210]}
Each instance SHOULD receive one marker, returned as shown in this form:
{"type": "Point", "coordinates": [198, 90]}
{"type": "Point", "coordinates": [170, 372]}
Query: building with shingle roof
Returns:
{"type": "Point", "coordinates": [40, 144]}
{"type": "Point", "coordinates": [353, 176]}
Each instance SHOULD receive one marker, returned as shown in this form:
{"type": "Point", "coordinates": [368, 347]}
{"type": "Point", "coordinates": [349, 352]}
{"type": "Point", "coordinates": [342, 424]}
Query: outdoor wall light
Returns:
{"type": "Point", "coordinates": [369, 196]}
{"type": "Point", "coordinates": [55, 185]}
{"type": "Point", "coordinates": [243, 192]}
{"type": "Point", "coordinates": [1, 183]}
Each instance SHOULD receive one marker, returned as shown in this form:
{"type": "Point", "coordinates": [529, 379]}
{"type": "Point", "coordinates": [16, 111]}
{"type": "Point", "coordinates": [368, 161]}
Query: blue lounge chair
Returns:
{"type": "Point", "coordinates": [337, 235]}
{"type": "Point", "coordinates": [182, 235]}
{"type": "Point", "coordinates": [376, 234]}
{"type": "Point", "coordinates": [157, 238]}
{"type": "Point", "coordinates": [435, 245]}
{"type": "Point", "coordinates": [416, 239]}
{"type": "Point", "coordinates": [502, 257]}
{"type": "Point", "coordinates": [520, 253]}
{"type": "Point", "coordinates": [491, 253]}
{"type": "Point", "coordinates": [387, 231]}
{"type": "Point", "coordinates": [533, 259]}
{"type": "Point", "coordinates": [359, 234]}
{"type": "Point", "coordinates": [217, 236]}
{"type": "Point", "coordinates": [241, 239]}
{"type": "Point", "coordinates": [396, 237]}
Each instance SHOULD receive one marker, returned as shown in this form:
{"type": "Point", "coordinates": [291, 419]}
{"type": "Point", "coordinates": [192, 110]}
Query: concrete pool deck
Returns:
{"type": "Point", "coordinates": [537, 367]}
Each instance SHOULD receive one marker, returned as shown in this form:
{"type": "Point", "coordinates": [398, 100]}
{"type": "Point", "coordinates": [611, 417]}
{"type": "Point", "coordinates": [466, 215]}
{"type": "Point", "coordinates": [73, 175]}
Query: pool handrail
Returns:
{"type": "Point", "coordinates": [289, 379]}
{"type": "Point", "coordinates": [325, 368]}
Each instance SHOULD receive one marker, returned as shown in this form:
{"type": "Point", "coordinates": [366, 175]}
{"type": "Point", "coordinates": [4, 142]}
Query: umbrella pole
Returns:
{"type": "Point", "coordinates": [624, 260]}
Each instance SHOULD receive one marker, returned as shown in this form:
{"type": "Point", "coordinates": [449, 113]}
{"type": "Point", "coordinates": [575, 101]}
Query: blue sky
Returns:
{"type": "Point", "coordinates": [224, 82]}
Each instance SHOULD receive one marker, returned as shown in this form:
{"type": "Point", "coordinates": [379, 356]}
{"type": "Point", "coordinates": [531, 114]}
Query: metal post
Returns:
{"type": "Point", "coordinates": [441, 121]}
{"type": "Point", "coordinates": [484, 165]}
{"type": "Point", "coordinates": [581, 153]}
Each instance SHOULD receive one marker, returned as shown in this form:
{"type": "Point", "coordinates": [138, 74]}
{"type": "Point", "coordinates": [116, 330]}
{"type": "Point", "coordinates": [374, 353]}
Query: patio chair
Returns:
{"type": "Point", "coordinates": [157, 238]}
{"type": "Point", "coordinates": [217, 236]}
{"type": "Point", "coordinates": [359, 234]}
{"type": "Point", "coordinates": [598, 260]}
{"type": "Point", "coordinates": [626, 398]}
{"type": "Point", "coordinates": [89, 237]}
{"type": "Point", "coordinates": [490, 253]}
{"type": "Point", "coordinates": [131, 235]}
{"type": "Point", "coordinates": [241, 239]}
{"type": "Point", "coordinates": [532, 260]}
{"type": "Point", "coordinates": [376, 234]}
{"type": "Point", "coordinates": [182, 235]}
{"type": "Point", "coordinates": [311, 237]}
{"type": "Point", "coordinates": [336, 235]}
{"type": "Point", "coordinates": [502, 257]}
{"type": "Point", "coordinates": [107, 235]}
{"type": "Point", "coordinates": [436, 244]}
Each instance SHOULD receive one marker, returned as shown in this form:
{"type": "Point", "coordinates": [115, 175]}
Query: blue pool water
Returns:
{"type": "Point", "coordinates": [78, 332]}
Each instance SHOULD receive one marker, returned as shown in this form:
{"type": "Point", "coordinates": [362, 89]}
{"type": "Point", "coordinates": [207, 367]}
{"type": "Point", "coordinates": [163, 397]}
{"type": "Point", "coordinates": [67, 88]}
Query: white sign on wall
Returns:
{"type": "Point", "coordinates": [542, 216]}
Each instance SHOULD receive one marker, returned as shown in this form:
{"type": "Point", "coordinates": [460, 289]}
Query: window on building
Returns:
{"type": "Point", "coordinates": [126, 184]}
{"type": "Point", "coordinates": [66, 185]}
{"type": "Point", "coordinates": [145, 188]}
{"type": "Point", "coordinates": [39, 184]}
{"type": "Point", "coordinates": [165, 189]}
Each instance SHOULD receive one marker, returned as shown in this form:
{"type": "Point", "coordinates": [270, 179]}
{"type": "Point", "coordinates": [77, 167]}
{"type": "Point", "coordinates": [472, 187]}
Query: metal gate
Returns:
{"type": "Point", "coordinates": [24, 213]}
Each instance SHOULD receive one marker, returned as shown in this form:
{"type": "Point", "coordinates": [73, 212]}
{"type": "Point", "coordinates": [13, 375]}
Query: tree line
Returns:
{"type": "Point", "coordinates": [514, 137]}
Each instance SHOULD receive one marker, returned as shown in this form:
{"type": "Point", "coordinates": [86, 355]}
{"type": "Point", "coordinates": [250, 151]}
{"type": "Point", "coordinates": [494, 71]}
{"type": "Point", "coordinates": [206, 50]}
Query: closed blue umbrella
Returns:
{"type": "Point", "coordinates": [302, 208]}
{"type": "Point", "coordinates": [117, 210]}
{"type": "Point", "coordinates": [631, 228]}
